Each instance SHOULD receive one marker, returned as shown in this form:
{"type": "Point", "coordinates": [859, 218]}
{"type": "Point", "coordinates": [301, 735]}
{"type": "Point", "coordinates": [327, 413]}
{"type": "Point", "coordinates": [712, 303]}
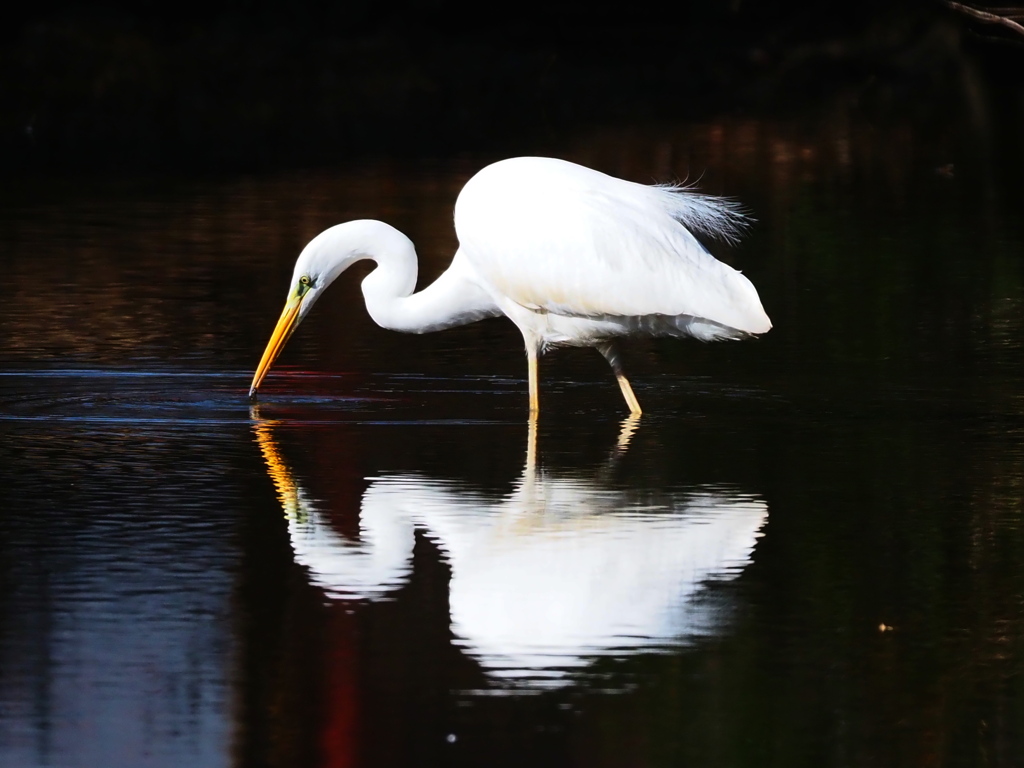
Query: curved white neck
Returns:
{"type": "Point", "coordinates": [453, 299]}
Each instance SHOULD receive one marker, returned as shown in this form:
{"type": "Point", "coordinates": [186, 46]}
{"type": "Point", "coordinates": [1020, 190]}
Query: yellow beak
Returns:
{"type": "Point", "coordinates": [287, 323]}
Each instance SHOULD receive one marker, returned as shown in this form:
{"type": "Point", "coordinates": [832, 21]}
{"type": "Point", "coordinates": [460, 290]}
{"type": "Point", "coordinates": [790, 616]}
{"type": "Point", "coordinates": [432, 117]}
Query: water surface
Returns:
{"type": "Point", "coordinates": [807, 551]}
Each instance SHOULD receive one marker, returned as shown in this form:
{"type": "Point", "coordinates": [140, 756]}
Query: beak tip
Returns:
{"type": "Point", "coordinates": [285, 325]}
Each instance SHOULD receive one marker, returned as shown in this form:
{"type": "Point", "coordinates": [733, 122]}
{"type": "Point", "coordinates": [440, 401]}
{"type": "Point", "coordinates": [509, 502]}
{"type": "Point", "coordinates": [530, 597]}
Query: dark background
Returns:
{"type": "Point", "coordinates": [224, 85]}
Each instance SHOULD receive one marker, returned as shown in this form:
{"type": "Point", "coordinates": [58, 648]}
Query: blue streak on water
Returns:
{"type": "Point", "coordinates": [118, 374]}
{"type": "Point", "coordinates": [189, 398]}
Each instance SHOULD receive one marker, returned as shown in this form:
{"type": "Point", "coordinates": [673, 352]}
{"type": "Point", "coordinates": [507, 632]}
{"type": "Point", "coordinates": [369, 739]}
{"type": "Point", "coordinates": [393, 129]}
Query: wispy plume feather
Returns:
{"type": "Point", "coordinates": [717, 217]}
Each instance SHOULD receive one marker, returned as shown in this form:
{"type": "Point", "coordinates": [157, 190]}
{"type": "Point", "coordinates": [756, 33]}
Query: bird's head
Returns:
{"type": "Point", "coordinates": [325, 257]}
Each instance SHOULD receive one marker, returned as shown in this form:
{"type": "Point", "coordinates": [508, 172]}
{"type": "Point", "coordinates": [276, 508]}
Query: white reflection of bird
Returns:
{"type": "Point", "coordinates": [557, 571]}
{"type": "Point", "coordinates": [572, 256]}
{"type": "Point", "coordinates": [561, 569]}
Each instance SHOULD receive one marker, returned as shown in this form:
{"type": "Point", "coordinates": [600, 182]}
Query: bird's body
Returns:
{"type": "Point", "coordinates": [570, 255]}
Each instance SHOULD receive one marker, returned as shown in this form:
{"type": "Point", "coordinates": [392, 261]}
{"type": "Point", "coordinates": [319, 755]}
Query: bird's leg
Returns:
{"type": "Point", "coordinates": [531, 360]}
{"type": "Point", "coordinates": [611, 354]}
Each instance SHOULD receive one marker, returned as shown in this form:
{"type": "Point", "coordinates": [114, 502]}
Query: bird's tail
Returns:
{"type": "Point", "coordinates": [717, 217]}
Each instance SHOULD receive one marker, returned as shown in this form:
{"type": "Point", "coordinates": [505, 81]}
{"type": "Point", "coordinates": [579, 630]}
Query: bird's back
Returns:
{"type": "Point", "coordinates": [563, 239]}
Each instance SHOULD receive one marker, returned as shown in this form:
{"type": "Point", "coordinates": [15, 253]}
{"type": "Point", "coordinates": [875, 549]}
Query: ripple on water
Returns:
{"type": "Point", "coordinates": [90, 396]}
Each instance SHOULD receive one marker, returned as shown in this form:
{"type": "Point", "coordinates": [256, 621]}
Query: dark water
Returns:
{"type": "Point", "coordinates": [808, 551]}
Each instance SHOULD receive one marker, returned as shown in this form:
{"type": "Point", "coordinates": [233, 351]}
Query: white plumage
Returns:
{"type": "Point", "coordinates": [576, 242]}
{"type": "Point", "coordinates": [572, 256]}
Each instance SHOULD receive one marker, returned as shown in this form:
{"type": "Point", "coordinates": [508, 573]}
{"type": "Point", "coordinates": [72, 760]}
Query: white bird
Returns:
{"type": "Point", "coordinates": [572, 256]}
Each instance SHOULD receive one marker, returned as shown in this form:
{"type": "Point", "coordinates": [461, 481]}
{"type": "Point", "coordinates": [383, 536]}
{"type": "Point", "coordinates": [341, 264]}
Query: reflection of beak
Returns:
{"type": "Point", "coordinates": [280, 474]}
{"type": "Point", "coordinates": [288, 322]}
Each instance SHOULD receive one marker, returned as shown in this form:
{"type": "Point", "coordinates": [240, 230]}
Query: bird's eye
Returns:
{"type": "Point", "coordinates": [304, 280]}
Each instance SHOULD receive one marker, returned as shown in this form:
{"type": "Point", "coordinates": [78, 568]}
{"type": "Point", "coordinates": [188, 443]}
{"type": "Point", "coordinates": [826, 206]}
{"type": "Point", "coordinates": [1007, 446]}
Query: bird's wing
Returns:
{"type": "Point", "coordinates": [567, 240]}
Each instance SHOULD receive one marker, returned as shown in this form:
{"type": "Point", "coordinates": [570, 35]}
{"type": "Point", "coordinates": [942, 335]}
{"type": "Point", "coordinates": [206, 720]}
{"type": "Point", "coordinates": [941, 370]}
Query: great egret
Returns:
{"type": "Point", "coordinates": [572, 256]}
